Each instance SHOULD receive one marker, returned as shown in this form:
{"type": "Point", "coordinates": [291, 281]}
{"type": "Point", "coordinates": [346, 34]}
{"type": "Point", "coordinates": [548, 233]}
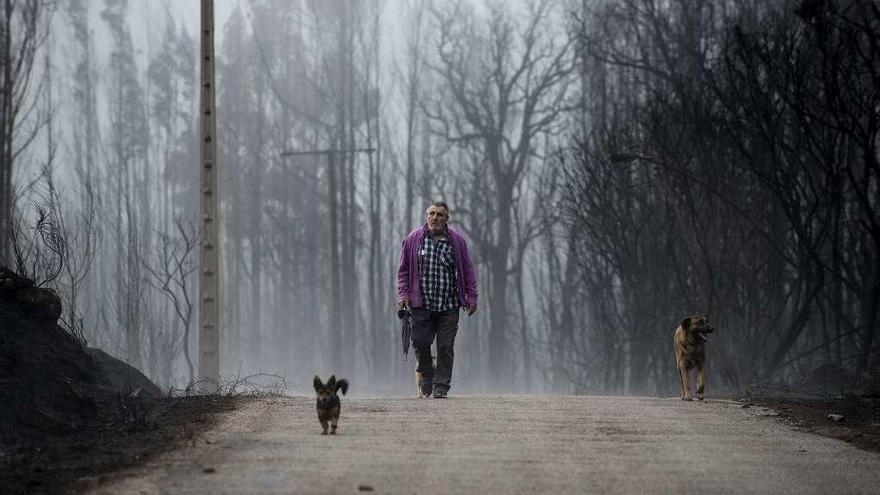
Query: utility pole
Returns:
{"type": "Point", "coordinates": [209, 269]}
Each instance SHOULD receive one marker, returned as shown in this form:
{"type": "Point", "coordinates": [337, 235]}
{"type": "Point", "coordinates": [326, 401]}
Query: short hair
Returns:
{"type": "Point", "coordinates": [440, 204]}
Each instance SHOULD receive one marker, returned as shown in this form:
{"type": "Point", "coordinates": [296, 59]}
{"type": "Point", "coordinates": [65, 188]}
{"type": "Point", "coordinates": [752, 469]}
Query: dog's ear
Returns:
{"type": "Point", "coordinates": [331, 382]}
{"type": "Point", "coordinates": [342, 385]}
{"type": "Point", "coordinates": [318, 384]}
{"type": "Point", "coordinates": [686, 323]}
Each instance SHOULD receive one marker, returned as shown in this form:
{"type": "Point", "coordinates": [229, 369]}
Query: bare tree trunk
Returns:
{"type": "Point", "coordinates": [255, 325]}
{"type": "Point", "coordinates": [19, 40]}
{"type": "Point", "coordinates": [524, 336]}
{"type": "Point", "coordinates": [413, 82]}
{"type": "Point", "coordinates": [377, 307]}
{"type": "Point", "coordinates": [869, 317]}
{"type": "Point", "coordinates": [7, 124]}
{"type": "Point", "coordinates": [334, 318]}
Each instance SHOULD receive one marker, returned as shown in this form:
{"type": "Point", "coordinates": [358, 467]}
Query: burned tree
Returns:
{"type": "Point", "coordinates": [503, 85]}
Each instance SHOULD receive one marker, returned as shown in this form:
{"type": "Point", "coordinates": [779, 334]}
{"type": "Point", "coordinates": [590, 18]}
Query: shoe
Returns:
{"type": "Point", "coordinates": [424, 389]}
{"type": "Point", "coordinates": [440, 394]}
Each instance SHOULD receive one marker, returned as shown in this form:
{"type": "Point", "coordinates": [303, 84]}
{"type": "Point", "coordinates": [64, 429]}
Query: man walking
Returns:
{"type": "Point", "coordinates": [434, 279]}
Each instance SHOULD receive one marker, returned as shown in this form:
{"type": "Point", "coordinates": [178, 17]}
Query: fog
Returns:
{"type": "Point", "coordinates": [613, 168]}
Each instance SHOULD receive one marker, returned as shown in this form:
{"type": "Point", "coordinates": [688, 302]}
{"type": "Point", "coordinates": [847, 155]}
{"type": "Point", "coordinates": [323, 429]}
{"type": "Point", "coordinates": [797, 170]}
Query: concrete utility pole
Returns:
{"type": "Point", "coordinates": [209, 269]}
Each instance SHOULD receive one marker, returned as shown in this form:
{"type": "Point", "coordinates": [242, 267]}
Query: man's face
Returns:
{"type": "Point", "coordinates": [437, 218]}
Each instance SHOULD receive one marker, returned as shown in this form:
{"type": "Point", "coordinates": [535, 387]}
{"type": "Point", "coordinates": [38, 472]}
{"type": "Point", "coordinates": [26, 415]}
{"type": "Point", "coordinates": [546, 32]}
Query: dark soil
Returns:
{"type": "Point", "coordinates": [68, 412]}
{"type": "Point", "coordinates": [70, 462]}
{"type": "Point", "coordinates": [860, 425]}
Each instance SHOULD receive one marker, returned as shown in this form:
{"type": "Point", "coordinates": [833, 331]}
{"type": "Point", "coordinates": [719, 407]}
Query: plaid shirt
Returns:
{"type": "Point", "coordinates": [437, 274]}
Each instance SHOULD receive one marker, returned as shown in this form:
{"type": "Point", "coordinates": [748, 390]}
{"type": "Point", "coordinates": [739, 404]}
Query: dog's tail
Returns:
{"type": "Point", "coordinates": [342, 385]}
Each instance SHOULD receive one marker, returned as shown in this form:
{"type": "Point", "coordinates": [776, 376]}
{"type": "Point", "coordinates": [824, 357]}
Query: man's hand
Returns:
{"type": "Point", "coordinates": [403, 304]}
{"type": "Point", "coordinates": [471, 309]}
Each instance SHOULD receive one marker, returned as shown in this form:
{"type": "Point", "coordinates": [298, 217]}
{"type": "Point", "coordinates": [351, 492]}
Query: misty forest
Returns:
{"type": "Point", "coordinates": [615, 166]}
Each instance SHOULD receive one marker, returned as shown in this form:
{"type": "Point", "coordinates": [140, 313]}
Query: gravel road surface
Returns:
{"type": "Point", "coordinates": [505, 444]}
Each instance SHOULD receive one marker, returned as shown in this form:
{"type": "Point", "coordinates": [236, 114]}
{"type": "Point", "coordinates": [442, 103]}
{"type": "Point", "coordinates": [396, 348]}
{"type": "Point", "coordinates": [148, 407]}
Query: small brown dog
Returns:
{"type": "Point", "coordinates": [328, 402]}
{"type": "Point", "coordinates": [690, 352]}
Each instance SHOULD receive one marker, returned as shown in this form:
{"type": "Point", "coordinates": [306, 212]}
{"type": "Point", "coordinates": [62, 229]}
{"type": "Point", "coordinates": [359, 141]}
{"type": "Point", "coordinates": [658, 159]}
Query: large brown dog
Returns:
{"type": "Point", "coordinates": [690, 352]}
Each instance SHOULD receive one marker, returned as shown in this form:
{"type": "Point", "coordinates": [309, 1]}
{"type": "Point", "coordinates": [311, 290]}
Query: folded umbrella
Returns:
{"type": "Point", "coordinates": [405, 316]}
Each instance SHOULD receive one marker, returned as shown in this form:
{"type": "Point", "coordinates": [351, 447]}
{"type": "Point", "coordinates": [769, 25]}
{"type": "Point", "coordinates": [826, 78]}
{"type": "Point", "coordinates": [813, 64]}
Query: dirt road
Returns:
{"type": "Point", "coordinates": [506, 444]}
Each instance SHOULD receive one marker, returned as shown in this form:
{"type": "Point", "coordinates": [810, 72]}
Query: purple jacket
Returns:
{"type": "Point", "coordinates": [408, 270]}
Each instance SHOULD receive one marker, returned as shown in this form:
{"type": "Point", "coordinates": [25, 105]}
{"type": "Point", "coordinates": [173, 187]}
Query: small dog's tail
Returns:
{"type": "Point", "coordinates": [342, 385]}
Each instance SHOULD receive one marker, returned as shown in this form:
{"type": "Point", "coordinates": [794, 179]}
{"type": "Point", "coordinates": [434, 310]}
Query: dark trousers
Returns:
{"type": "Point", "coordinates": [426, 326]}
